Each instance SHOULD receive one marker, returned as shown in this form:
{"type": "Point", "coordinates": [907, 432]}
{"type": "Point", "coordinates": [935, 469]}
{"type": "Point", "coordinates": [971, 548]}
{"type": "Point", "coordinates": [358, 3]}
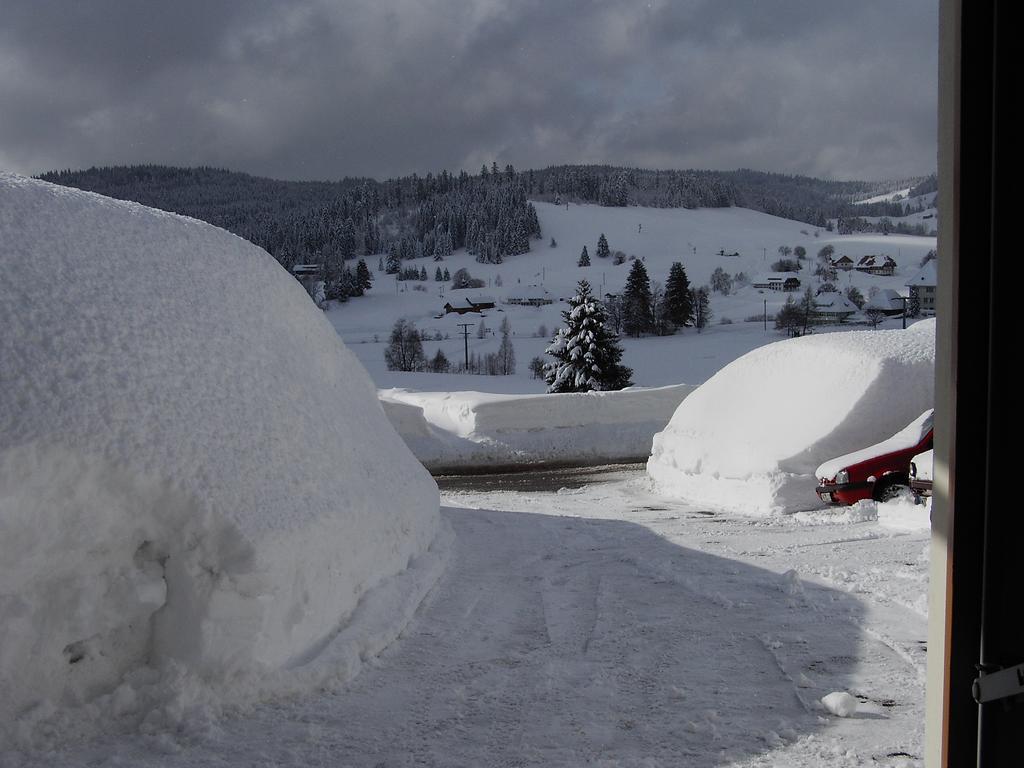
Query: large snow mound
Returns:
{"type": "Point", "coordinates": [461, 430]}
{"type": "Point", "coordinates": [194, 470]}
{"type": "Point", "coordinates": [750, 438]}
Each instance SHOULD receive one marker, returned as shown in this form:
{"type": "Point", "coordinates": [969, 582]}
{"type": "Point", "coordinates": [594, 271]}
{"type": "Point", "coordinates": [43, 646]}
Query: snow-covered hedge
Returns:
{"type": "Point", "coordinates": [750, 438]}
{"type": "Point", "coordinates": [453, 430]}
{"type": "Point", "coordinates": [193, 468]}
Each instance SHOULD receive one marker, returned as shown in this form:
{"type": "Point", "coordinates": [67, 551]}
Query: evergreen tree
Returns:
{"type": "Point", "coordinates": [678, 304]}
{"type": "Point", "coordinates": [380, 264]}
{"type": "Point", "coordinates": [347, 239]}
{"type": "Point", "coordinates": [603, 251]}
{"type": "Point", "coordinates": [584, 260]}
{"type": "Point", "coordinates": [506, 352]}
{"type": "Point", "coordinates": [437, 275]}
{"type": "Point", "coordinates": [446, 277]}
{"type": "Point", "coordinates": [394, 261]}
{"type": "Point", "coordinates": [587, 354]}
{"type": "Point", "coordinates": [789, 318]}
{"type": "Point", "coordinates": [440, 364]}
{"type": "Point", "coordinates": [636, 300]}
{"type": "Point", "coordinates": [363, 276]}
{"type": "Point", "coordinates": [423, 273]}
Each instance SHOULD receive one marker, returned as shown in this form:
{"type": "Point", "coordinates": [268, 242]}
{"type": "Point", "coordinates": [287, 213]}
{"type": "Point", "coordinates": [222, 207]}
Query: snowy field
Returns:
{"type": "Point", "coordinates": [605, 626]}
{"type": "Point", "coordinates": [659, 237]}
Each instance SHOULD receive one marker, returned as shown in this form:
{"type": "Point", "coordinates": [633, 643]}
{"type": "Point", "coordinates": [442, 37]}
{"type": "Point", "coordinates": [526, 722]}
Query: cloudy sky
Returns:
{"type": "Point", "coordinates": [319, 89]}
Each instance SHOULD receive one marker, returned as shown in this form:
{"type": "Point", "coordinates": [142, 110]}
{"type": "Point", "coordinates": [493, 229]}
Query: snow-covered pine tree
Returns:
{"type": "Point", "coordinates": [678, 302]}
{"type": "Point", "coordinates": [586, 353]}
{"type": "Point", "coordinates": [584, 259]}
{"type": "Point", "coordinates": [363, 276]}
{"type": "Point", "coordinates": [636, 300]}
{"type": "Point", "coordinates": [437, 275]}
{"type": "Point", "coordinates": [347, 239]}
{"type": "Point", "coordinates": [603, 251]}
{"type": "Point", "coordinates": [394, 260]}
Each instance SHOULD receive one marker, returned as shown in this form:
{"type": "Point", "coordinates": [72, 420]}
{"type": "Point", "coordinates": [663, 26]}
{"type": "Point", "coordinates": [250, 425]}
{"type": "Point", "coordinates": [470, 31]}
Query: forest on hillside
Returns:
{"type": "Point", "coordinates": [489, 214]}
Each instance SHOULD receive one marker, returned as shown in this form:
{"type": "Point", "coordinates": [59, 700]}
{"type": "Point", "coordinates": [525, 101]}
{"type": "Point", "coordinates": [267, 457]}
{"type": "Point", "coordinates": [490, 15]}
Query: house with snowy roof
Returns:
{"type": "Point", "coordinates": [779, 283]}
{"type": "Point", "coordinates": [922, 288]}
{"type": "Point", "coordinates": [833, 307]}
{"type": "Point", "coordinates": [477, 305]}
{"type": "Point", "coordinates": [844, 262]}
{"type": "Point", "coordinates": [887, 301]}
{"type": "Point", "coordinates": [877, 265]}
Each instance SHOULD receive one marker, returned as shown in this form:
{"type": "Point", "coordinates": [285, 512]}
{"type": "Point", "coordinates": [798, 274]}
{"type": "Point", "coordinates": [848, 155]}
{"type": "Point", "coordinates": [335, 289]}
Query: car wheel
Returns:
{"type": "Point", "coordinates": [891, 490]}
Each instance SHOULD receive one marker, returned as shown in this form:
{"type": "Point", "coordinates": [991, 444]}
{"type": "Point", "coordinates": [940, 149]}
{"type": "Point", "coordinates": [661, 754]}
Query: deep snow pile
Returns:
{"type": "Point", "coordinates": [750, 438]}
{"type": "Point", "coordinates": [194, 471]}
{"type": "Point", "coordinates": [452, 430]}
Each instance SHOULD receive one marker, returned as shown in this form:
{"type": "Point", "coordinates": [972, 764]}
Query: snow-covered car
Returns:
{"type": "Point", "coordinates": [880, 472]}
{"type": "Point", "coordinates": [921, 473]}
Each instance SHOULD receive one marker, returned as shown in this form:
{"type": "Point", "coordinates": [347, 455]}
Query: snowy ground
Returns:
{"type": "Point", "coordinates": [602, 625]}
{"type": "Point", "coordinates": [658, 236]}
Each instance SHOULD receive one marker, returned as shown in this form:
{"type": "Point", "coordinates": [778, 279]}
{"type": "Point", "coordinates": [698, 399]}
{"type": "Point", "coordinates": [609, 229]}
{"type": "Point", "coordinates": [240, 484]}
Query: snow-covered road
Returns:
{"type": "Point", "coordinates": [603, 626]}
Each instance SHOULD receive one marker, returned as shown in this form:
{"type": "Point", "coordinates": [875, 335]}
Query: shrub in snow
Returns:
{"type": "Point", "coordinates": [750, 438]}
{"type": "Point", "coordinates": [181, 478]}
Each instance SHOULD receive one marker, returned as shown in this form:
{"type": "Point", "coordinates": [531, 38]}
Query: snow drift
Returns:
{"type": "Point", "coordinates": [194, 470]}
{"type": "Point", "coordinates": [750, 438]}
{"type": "Point", "coordinates": [459, 430]}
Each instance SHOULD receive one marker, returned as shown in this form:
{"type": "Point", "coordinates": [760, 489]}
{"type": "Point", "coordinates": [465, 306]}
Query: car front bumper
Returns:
{"type": "Point", "coordinates": [844, 493]}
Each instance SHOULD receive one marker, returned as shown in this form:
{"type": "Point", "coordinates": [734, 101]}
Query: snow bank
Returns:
{"type": "Point", "coordinates": [750, 438]}
{"type": "Point", "coordinates": [194, 470]}
{"type": "Point", "coordinates": [458, 430]}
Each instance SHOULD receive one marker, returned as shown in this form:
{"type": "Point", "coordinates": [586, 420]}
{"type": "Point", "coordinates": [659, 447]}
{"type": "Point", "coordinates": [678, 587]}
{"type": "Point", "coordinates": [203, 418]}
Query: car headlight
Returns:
{"type": "Point", "coordinates": [842, 477]}
{"type": "Point", "coordinates": [913, 470]}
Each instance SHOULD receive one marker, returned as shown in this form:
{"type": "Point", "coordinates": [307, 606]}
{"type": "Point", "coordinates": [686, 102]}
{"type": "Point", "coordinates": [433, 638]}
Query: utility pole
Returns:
{"type": "Point", "coordinates": [465, 340]}
{"type": "Point", "coordinates": [766, 315]}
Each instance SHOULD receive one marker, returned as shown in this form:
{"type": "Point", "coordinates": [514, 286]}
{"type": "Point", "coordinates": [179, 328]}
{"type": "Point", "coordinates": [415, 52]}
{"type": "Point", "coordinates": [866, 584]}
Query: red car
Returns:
{"type": "Point", "coordinates": [880, 472]}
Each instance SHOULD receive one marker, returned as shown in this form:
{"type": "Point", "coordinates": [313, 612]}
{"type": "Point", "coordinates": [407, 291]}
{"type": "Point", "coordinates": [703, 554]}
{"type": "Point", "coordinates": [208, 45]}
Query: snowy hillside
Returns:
{"type": "Point", "coordinates": [197, 477]}
{"type": "Point", "coordinates": [697, 238]}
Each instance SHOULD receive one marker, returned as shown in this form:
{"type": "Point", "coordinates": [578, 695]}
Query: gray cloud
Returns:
{"type": "Point", "coordinates": [322, 88]}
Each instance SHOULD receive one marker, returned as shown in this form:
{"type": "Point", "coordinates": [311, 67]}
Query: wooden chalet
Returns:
{"type": "Point", "coordinates": [779, 283]}
{"type": "Point", "coordinates": [832, 307]}
{"type": "Point", "coordinates": [477, 306]}
{"type": "Point", "coordinates": [877, 265]}
{"type": "Point", "coordinates": [844, 262]}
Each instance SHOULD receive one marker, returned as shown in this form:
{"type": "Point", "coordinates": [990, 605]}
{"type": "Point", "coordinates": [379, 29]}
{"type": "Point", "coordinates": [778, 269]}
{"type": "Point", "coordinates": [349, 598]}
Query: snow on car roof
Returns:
{"type": "Point", "coordinates": [908, 437]}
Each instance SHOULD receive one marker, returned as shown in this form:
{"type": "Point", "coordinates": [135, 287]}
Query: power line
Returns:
{"type": "Point", "coordinates": [465, 339]}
